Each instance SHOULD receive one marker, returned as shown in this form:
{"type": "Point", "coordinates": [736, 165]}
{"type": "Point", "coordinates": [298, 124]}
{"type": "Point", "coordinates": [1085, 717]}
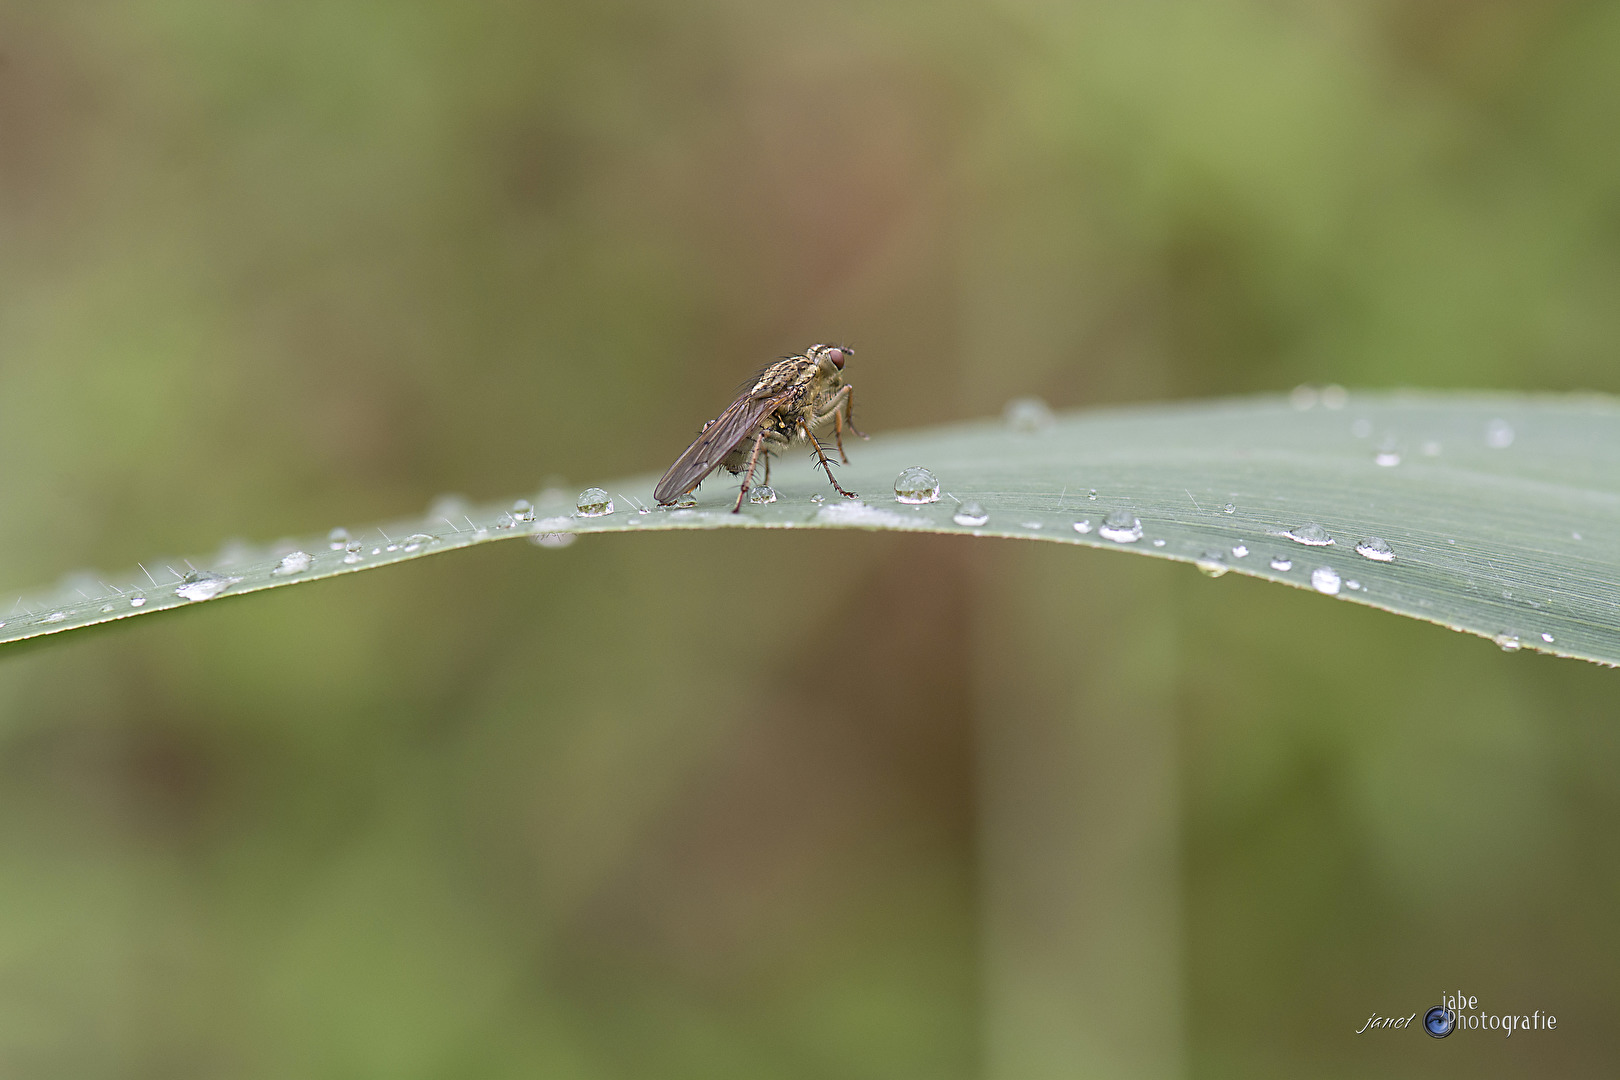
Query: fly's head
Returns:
{"type": "Point", "coordinates": [829, 359]}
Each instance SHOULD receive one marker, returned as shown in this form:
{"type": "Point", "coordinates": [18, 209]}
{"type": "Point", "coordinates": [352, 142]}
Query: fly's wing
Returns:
{"type": "Point", "coordinates": [716, 441]}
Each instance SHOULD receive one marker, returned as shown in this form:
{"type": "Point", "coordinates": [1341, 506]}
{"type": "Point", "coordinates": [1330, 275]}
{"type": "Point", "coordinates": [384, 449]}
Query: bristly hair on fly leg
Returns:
{"type": "Point", "coordinates": [789, 400]}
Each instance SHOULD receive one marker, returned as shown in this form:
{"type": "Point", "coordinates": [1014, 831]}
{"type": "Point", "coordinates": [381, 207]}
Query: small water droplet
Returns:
{"type": "Point", "coordinates": [1311, 535]}
{"type": "Point", "coordinates": [55, 616]}
{"type": "Point", "coordinates": [1376, 548]}
{"type": "Point", "coordinates": [352, 552]}
{"type": "Point", "coordinates": [337, 538]}
{"type": "Point", "coordinates": [1499, 434]}
{"type": "Point", "coordinates": [1508, 641]}
{"type": "Point", "coordinates": [915, 486]}
{"type": "Point", "coordinates": [761, 495]}
{"type": "Point", "coordinates": [1334, 396]}
{"type": "Point", "coordinates": [1325, 579]}
{"type": "Point", "coordinates": [1028, 414]}
{"type": "Point", "coordinates": [970, 514]}
{"type": "Point", "coordinates": [1431, 449]}
{"type": "Point", "coordinates": [1122, 527]}
{"type": "Point", "coordinates": [1229, 508]}
{"type": "Point", "coordinates": [818, 499]}
{"type": "Point", "coordinates": [293, 563]}
{"type": "Point", "coordinates": [1303, 397]}
{"type": "Point", "coordinates": [137, 600]}
{"type": "Point", "coordinates": [1548, 638]}
{"type": "Point", "coordinates": [1353, 585]}
{"type": "Point", "coordinates": [522, 510]}
{"type": "Point", "coordinates": [1361, 428]}
{"type": "Point", "coordinates": [1210, 564]}
{"type": "Point", "coordinates": [1158, 543]}
{"type": "Point", "coordinates": [1092, 494]}
{"type": "Point", "coordinates": [1240, 551]}
{"type": "Point", "coordinates": [594, 502]}
{"type": "Point", "coordinates": [1387, 458]}
{"type": "Point", "coordinates": [1281, 565]}
{"type": "Point", "coordinates": [417, 541]}
{"type": "Point", "coordinates": [1083, 526]}
{"type": "Point", "coordinates": [200, 585]}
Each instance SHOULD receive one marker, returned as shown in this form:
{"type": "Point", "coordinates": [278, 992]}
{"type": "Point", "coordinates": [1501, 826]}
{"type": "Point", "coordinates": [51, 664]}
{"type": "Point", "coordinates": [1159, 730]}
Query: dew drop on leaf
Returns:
{"type": "Point", "coordinates": [915, 486]}
{"type": "Point", "coordinates": [1122, 527]}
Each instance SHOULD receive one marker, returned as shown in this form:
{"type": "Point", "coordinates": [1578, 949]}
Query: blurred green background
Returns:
{"type": "Point", "coordinates": [759, 805]}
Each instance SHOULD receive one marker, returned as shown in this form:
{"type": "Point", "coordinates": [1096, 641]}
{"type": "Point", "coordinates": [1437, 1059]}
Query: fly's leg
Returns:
{"type": "Point", "coordinates": [837, 410]}
{"type": "Point", "coordinates": [849, 411]}
{"type": "Point", "coordinates": [825, 464]}
{"type": "Point", "coordinates": [748, 473]}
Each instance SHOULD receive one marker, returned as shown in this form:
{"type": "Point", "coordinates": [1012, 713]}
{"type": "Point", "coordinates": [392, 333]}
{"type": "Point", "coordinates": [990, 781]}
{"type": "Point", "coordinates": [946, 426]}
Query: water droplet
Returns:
{"type": "Point", "coordinates": [1324, 579]}
{"type": "Point", "coordinates": [915, 486]}
{"type": "Point", "coordinates": [55, 616]}
{"type": "Point", "coordinates": [1353, 585]}
{"type": "Point", "coordinates": [522, 510]}
{"type": "Point", "coordinates": [1122, 527]}
{"type": "Point", "coordinates": [137, 600]}
{"type": "Point", "coordinates": [1028, 414]}
{"type": "Point", "coordinates": [761, 495]}
{"type": "Point", "coordinates": [1281, 565]}
{"type": "Point", "coordinates": [1548, 638]}
{"type": "Point", "coordinates": [1229, 508]}
{"type": "Point", "coordinates": [970, 514]}
{"type": "Point", "coordinates": [818, 499]}
{"type": "Point", "coordinates": [200, 585]}
{"type": "Point", "coordinates": [1092, 494]}
{"type": "Point", "coordinates": [1376, 548]}
{"type": "Point", "coordinates": [1334, 396]}
{"type": "Point", "coordinates": [594, 502]}
{"type": "Point", "coordinates": [1431, 449]}
{"type": "Point", "coordinates": [1311, 535]}
{"type": "Point", "coordinates": [105, 610]}
{"type": "Point", "coordinates": [1158, 543]}
{"type": "Point", "coordinates": [1499, 434]}
{"type": "Point", "coordinates": [1508, 641]}
{"type": "Point", "coordinates": [416, 541]}
{"type": "Point", "coordinates": [293, 563]}
{"type": "Point", "coordinates": [352, 552]}
{"type": "Point", "coordinates": [1303, 397]}
{"type": "Point", "coordinates": [1361, 428]}
{"type": "Point", "coordinates": [552, 539]}
{"type": "Point", "coordinates": [338, 538]}
{"type": "Point", "coordinates": [1082, 527]}
{"type": "Point", "coordinates": [1240, 551]}
{"type": "Point", "coordinates": [1387, 458]}
{"type": "Point", "coordinates": [1210, 564]}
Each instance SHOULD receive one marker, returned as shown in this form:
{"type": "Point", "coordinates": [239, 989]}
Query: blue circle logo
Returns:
{"type": "Point", "coordinates": [1439, 1022]}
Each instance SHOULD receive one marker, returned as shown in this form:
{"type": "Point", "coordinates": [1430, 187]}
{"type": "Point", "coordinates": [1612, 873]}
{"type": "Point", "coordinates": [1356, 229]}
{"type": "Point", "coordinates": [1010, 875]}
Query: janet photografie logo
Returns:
{"type": "Point", "coordinates": [1461, 1012]}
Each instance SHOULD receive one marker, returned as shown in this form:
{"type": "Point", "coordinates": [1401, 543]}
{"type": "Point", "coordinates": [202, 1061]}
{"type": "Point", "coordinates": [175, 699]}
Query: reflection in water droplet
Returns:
{"type": "Point", "coordinates": [1122, 527]}
{"type": "Point", "coordinates": [1092, 494]}
{"type": "Point", "coordinates": [1229, 508]}
{"type": "Point", "coordinates": [1240, 551]}
{"type": "Point", "coordinates": [203, 586]}
{"type": "Point", "coordinates": [593, 502]}
{"type": "Point", "coordinates": [1027, 414]}
{"type": "Point", "coordinates": [762, 495]}
{"type": "Point", "coordinates": [1210, 564]}
{"type": "Point", "coordinates": [1334, 396]}
{"type": "Point", "coordinates": [1311, 535]}
{"type": "Point", "coordinates": [1083, 526]}
{"type": "Point", "coordinates": [337, 538]}
{"type": "Point", "coordinates": [1387, 458]}
{"type": "Point", "coordinates": [416, 541]}
{"type": "Point", "coordinates": [1499, 434]}
{"type": "Point", "coordinates": [1324, 579]}
{"type": "Point", "coordinates": [293, 563]}
{"type": "Point", "coordinates": [522, 510]}
{"type": "Point", "coordinates": [915, 486]}
{"type": "Point", "coordinates": [970, 514]}
{"type": "Point", "coordinates": [1508, 641]}
{"type": "Point", "coordinates": [1281, 564]}
{"type": "Point", "coordinates": [1376, 548]}
{"type": "Point", "coordinates": [686, 502]}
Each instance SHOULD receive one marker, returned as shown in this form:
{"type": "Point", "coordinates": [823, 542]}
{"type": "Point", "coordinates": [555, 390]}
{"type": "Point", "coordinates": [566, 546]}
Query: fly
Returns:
{"type": "Point", "coordinates": [791, 398]}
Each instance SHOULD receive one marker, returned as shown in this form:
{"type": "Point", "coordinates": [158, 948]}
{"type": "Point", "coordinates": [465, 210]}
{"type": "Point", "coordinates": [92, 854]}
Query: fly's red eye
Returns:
{"type": "Point", "coordinates": [837, 357]}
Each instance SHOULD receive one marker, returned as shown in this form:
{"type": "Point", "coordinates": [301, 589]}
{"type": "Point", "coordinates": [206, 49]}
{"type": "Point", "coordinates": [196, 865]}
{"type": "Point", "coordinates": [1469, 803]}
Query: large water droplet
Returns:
{"type": "Point", "coordinates": [1508, 641]}
{"type": "Point", "coordinates": [1499, 434]}
{"type": "Point", "coordinates": [1281, 565]}
{"type": "Point", "coordinates": [337, 538]}
{"type": "Point", "coordinates": [1122, 527]}
{"type": "Point", "coordinates": [1210, 564]}
{"type": "Point", "coordinates": [201, 585]}
{"type": "Point", "coordinates": [1083, 526]}
{"type": "Point", "coordinates": [1376, 548]}
{"type": "Point", "coordinates": [915, 486]}
{"type": "Point", "coordinates": [970, 514]}
{"type": "Point", "coordinates": [1325, 579]}
{"type": "Point", "coordinates": [762, 495]}
{"type": "Point", "coordinates": [594, 502]}
{"type": "Point", "coordinates": [295, 562]}
{"type": "Point", "coordinates": [1311, 535]}
{"type": "Point", "coordinates": [417, 541]}
{"type": "Point", "coordinates": [522, 510]}
{"type": "Point", "coordinates": [1028, 414]}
